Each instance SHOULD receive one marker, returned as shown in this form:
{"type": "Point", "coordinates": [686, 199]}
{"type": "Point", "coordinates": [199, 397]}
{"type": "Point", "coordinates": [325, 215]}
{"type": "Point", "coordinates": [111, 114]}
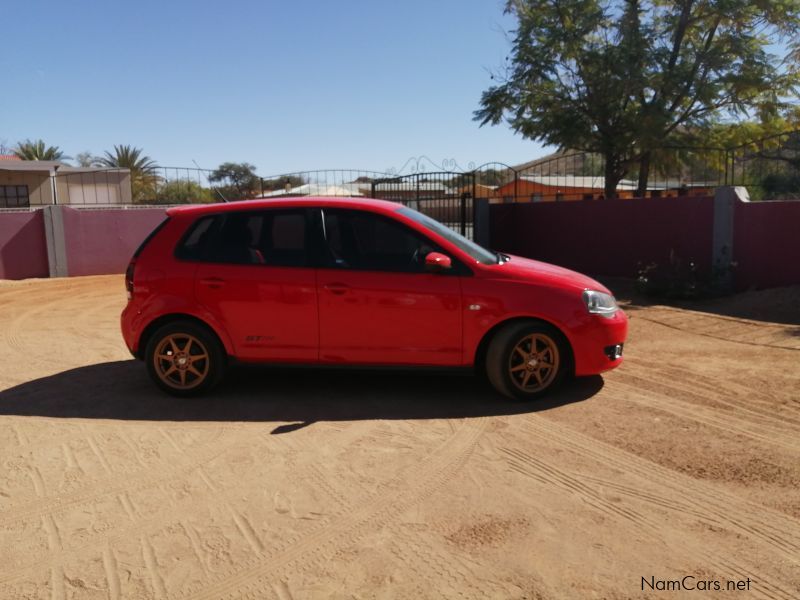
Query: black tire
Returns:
{"type": "Point", "coordinates": [178, 351]}
{"type": "Point", "coordinates": [520, 378]}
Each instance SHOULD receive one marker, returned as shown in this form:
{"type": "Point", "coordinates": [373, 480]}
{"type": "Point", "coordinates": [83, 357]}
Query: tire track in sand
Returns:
{"type": "Point", "coordinates": [105, 541]}
{"type": "Point", "coordinates": [726, 422]}
{"type": "Point", "coordinates": [422, 480]}
{"type": "Point", "coordinates": [773, 530]}
{"type": "Point", "coordinates": [549, 474]}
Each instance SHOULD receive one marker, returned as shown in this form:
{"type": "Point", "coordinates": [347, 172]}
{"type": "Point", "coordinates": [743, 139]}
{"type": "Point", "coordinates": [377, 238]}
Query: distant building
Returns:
{"type": "Point", "coordinates": [547, 188]}
{"type": "Point", "coordinates": [25, 183]}
{"type": "Point", "coordinates": [316, 189]}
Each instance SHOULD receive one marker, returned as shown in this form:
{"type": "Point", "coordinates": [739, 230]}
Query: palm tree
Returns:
{"type": "Point", "coordinates": [144, 181]}
{"type": "Point", "coordinates": [37, 150]}
{"type": "Point", "coordinates": [128, 157]}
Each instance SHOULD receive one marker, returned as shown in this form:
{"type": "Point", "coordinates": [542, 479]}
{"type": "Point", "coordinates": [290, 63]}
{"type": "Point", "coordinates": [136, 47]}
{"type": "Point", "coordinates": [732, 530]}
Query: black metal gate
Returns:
{"type": "Point", "coordinates": [444, 196]}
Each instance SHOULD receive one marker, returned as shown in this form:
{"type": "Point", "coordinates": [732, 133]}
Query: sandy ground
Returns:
{"type": "Point", "coordinates": [295, 484]}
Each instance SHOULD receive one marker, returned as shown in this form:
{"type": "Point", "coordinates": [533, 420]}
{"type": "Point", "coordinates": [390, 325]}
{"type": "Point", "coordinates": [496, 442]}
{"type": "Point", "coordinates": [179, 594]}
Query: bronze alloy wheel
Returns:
{"type": "Point", "coordinates": [181, 361]}
{"type": "Point", "coordinates": [534, 362]}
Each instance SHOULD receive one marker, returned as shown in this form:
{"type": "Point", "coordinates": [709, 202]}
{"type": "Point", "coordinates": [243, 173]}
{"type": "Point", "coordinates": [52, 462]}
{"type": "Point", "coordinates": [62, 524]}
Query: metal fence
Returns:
{"type": "Point", "coordinates": [97, 187]}
{"type": "Point", "coordinates": [769, 168]}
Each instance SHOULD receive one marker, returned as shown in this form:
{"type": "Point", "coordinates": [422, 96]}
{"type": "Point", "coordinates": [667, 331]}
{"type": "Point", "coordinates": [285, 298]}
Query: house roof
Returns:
{"type": "Point", "coordinates": [316, 189]}
{"type": "Point", "coordinates": [577, 181]}
{"type": "Point", "coordinates": [34, 166]}
{"type": "Point", "coordinates": [597, 182]}
{"type": "Point", "coordinates": [409, 186]}
{"type": "Point", "coordinates": [51, 167]}
{"type": "Point", "coordinates": [9, 157]}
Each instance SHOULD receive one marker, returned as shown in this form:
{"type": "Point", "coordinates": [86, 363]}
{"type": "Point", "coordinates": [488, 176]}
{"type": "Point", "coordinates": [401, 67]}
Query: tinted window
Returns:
{"type": "Point", "coordinates": [477, 252]}
{"type": "Point", "coordinates": [365, 241]}
{"type": "Point", "coordinates": [275, 238]}
{"type": "Point", "coordinates": [195, 242]}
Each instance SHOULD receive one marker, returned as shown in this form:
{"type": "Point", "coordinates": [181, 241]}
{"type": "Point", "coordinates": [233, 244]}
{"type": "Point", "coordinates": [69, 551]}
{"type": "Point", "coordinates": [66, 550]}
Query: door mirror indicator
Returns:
{"type": "Point", "coordinates": [436, 261]}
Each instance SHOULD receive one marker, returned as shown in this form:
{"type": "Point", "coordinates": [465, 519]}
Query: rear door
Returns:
{"type": "Point", "coordinates": [257, 278]}
{"type": "Point", "coordinates": [377, 305]}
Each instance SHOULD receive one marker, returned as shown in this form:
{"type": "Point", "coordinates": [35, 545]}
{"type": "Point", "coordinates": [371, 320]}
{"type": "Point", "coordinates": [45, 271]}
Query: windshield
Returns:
{"type": "Point", "coordinates": [479, 253]}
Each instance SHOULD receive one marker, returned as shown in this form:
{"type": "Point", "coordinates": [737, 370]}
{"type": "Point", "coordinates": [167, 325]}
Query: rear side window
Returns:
{"type": "Point", "coordinates": [271, 238]}
{"type": "Point", "coordinates": [195, 242]}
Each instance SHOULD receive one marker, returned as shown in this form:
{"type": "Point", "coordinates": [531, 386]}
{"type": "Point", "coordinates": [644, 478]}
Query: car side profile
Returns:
{"type": "Point", "coordinates": [343, 281]}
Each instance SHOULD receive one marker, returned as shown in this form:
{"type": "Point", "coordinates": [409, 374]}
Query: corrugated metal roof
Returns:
{"type": "Point", "coordinates": [315, 189]}
{"type": "Point", "coordinates": [50, 166]}
{"type": "Point", "coordinates": [577, 181]}
{"type": "Point", "coordinates": [597, 182]}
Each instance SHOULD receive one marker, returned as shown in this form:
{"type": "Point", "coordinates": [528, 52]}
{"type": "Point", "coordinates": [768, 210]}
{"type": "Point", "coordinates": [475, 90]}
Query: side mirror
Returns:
{"type": "Point", "coordinates": [436, 261]}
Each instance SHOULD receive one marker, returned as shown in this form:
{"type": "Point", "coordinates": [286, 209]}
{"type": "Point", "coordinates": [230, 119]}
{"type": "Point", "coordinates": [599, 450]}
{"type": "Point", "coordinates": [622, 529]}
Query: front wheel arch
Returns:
{"type": "Point", "coordinates": [479, 360]}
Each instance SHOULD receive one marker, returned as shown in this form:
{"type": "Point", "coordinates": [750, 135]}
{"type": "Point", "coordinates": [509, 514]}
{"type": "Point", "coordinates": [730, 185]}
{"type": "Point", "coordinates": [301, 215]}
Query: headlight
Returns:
{"type": "Point", "coordinates": [599, 303]}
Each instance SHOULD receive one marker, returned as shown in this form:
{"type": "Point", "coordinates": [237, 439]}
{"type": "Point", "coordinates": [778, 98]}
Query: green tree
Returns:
{"type": "Point", "coordinates": [128, 157]}
{"type": "Point", "coordinates": [183, 191]}
{"type": "Point", "coordinates": [144, 177]}
{"type": "Point", "coordinates": [38, 150]}
{"type": "Point", "coordinates": [239, 180]}
{"type": "Point", "coordinates": [280, 183]}
{"type": "Point", "coordinates": [622, 77]}
{"type": "Point", "coordinates": [85, 159]}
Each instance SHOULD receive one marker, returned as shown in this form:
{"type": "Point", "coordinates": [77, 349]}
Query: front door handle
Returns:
{"type": "Point", "coordinates": [336, 288]}
{"type": "Point", "coordinates": [215, 283]}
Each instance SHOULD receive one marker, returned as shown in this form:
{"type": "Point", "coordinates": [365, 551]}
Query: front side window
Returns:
{"type": "Point", "coordinates": [275, 238]}
{"type": "Point", "coordinates": [368, 242]}
{"type": "Point", "coordinates": [478, 253]}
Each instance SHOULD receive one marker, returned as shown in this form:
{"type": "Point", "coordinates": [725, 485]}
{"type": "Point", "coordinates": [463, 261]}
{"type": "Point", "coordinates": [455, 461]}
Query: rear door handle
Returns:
{"type": "Point", "coordinates": [336, 288]}
{"type": "Point", "coordinates": [214, 283]}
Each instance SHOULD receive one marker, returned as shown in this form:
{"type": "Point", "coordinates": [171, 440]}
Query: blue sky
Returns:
{"type": "Point", "coordinates": [284, 85]}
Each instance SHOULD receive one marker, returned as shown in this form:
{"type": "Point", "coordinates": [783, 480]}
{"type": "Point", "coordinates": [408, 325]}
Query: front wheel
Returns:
{"type": "Point", "coordinates": [184, 359]}
{"type": "Point", "coordinates": [526, 360]}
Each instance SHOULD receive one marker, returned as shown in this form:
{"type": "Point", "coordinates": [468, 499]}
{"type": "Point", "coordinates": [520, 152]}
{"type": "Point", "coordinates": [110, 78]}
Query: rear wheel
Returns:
{"type": "Point", "coordinates": [184, 359]}
{"type": "Point", "coordinates": [526, 360]}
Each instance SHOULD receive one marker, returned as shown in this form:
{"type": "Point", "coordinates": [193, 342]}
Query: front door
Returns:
{"type": "Point", "coordinates": [257, 278]}
{"type": "Point", "coordinates": [377, 305]}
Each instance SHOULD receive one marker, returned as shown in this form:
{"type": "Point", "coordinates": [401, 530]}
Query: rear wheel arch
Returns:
{"type": "Point", "coordinates": [156, 324]}
{"type": "Point", "coordinates": [479, 360]}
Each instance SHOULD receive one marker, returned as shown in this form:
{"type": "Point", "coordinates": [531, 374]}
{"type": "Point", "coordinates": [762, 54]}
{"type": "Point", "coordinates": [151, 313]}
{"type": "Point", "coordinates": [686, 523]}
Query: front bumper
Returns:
{"type": "Point", "coordinates": [599, 343]}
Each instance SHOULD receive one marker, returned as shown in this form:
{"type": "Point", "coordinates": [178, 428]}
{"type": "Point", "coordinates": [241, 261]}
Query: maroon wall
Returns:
{"type": "Point", "coordinates": [607, 237]}
{"type": "Point", "coordinates": [23, 249]}
{"type": "Point", "coordinates": [766, 244]}
{"type": "Point", "coordinates": [100, 242]}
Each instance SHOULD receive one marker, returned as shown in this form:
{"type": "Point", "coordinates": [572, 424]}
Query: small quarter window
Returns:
{"type": "Point", "coordinates": [195, 244]}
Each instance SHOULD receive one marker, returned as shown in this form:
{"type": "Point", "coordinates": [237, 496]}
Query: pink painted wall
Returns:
{"type": "Point", "coordinates": [766, 244]}
{"type": "Point", "coordinates": [607, 237]}
{"type": "Point", "coordinates": [23, 248]}
{"type": "Point", "coordinates": [100, 242]}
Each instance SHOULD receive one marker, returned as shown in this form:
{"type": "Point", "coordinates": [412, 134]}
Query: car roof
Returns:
{"type": "Point", "coordinates": [382, 206]}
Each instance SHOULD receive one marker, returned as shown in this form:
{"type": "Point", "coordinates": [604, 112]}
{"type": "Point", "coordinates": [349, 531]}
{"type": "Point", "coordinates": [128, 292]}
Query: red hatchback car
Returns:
{"type": "Point", "coordinates": [325, 281]}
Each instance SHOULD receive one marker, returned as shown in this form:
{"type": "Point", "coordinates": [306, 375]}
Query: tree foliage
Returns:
{"type": "Point", "coordinates": [85, 159]}
{"type": "Point", "coordinates": [622, 77]}
{"type": "Point", "coordinates": [128, 157]}
{"type": "Point", "coordinates": [239, 180]}
{"type": "Point", "coordinates": [144, 178]}
{"type": "Point", "coordinates": [38, 150]}
{"type": "Point", "coordinates": [184, 191]}
{"type": "Point", "coordinates": [280, 183]}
